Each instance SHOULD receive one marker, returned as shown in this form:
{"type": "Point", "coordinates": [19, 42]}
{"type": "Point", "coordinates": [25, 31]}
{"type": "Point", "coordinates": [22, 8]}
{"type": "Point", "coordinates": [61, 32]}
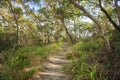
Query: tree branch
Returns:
{"type": "Point", "coordinates": [107, 44]}
{"type": "Point", "coordinates": [16, 21]}
{"type": "Point", "coordinates": [108, 16]}
{"type": "Point", "coordinates": [117, 10]}
{"type": "Point", "coordinates": [86, 12]}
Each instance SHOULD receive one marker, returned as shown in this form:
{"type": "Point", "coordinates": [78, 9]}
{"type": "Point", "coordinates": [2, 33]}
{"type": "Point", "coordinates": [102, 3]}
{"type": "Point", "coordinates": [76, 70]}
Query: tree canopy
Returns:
{"type": "Point", "coordinates": [78, 22]}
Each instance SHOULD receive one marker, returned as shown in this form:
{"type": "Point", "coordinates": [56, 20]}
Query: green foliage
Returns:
{"type": "Point", "coordinates": [44, 26]}
{"type": "Point", "coordinates": [20, 61]}
{"type": "Point", "coordinates": [7, 38]}
{"type": "Point", "coordinates": [87, 46]}
{"type": "Point", "coordinates": [83, 62]}
{"type": "Point", "coordinates": [18, 11]}
{"type": "Point", "coordinates": [90, 62]}
{"type": "Point", "coordinates": [115, 40]}
{"type": "Point", "coordinates": [16, 65]}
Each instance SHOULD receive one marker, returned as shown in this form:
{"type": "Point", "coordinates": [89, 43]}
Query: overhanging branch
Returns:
{"type": "Point", "coordinates": [108, 16]}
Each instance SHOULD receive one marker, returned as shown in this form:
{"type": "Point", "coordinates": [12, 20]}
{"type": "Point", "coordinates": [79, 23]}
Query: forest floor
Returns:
{"type": "Point", "coordinates": [53, 67]}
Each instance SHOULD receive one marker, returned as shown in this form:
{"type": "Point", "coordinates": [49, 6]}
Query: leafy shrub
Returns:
{"type": "Point", "coordinates": [25, 57]}
{"type": "Point", "coordinates": [83, 62]}
{"type": "Point", "coordinates": [7, 38]}
{"type": "Point", "coordinates": [115, 41]}
{"type": "Point", "coordinates": [91, 62]}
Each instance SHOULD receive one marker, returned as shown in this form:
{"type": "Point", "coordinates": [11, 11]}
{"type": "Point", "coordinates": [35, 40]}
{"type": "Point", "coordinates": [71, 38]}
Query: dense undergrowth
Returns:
{"type": "Point", "coordinates": [90, 61]}
{"type": "Point", "coordinates": [83, 58]}
{"type": "Point", "coordinates": [25, 61]}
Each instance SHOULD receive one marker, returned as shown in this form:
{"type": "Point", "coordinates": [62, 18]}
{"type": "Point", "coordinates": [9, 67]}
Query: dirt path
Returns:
{"type": "Point", "coordinates": [53, 67]}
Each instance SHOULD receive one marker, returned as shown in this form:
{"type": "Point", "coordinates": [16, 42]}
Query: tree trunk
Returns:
{"type": "Point", "coordinates": [48, 37]}
{"type": "Point", "coordinates": [66, 30]}
{"type": "Point", "coordinates": [115, 25]}
{"type": "Point", "coordinates": [16, 22]}
{"type": "Point", "coordinates": [56, 38]}
{"type": "Point", "coordinates": [107, 43]}
{"type": "Point", "coordinates": [117, 10]}
{"type": "Point", "coordinates": [79, 33]}
{"type": "Point", "coordinates": [75, 31]}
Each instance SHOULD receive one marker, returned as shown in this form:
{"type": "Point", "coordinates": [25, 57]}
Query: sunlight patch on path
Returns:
{"type": "Point", "coordinates": [53, 67]}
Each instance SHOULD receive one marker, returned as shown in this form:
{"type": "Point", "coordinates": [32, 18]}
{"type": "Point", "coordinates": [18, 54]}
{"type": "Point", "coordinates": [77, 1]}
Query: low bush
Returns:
{"type": "Point", "coordinates": [83, 60]}
{"type": "Point", "coordinates": [25, 61]}
{"type": "Point", "coordinates": [89, 61]}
